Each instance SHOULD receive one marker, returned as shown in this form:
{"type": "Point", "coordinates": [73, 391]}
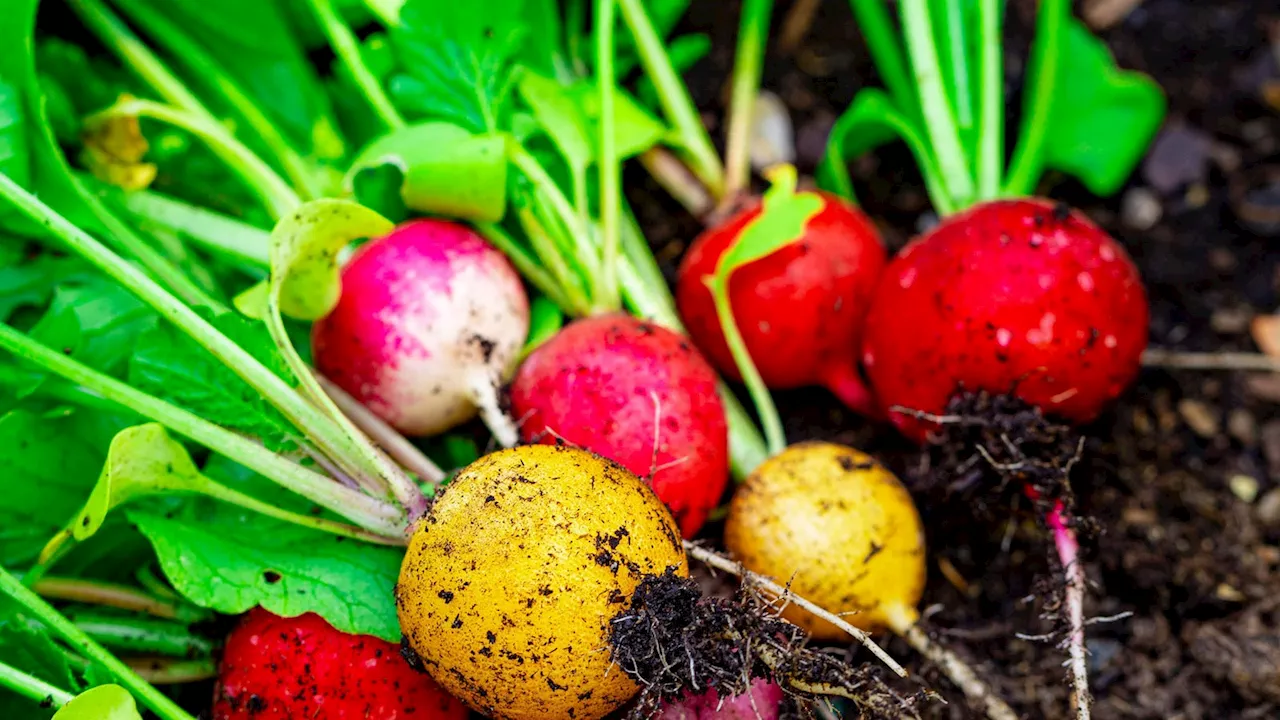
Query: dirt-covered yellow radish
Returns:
{"type": "Point", "coordinates": [840, 528]}
{"type": "Point", "coordinates": [512, 580]}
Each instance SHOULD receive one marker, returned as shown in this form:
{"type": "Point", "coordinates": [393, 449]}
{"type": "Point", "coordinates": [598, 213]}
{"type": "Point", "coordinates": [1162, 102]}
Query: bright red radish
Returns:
{"type": "Point", "coordinates": [430, 323]}
{"type": "Point", "coordinates": [615, 385]}
{"type": "Point", "coordinates": [276, 668]}
{"type": "Point", "coordinates": [800, 309]}
{"type": "Point", "coordinates": [1019, 296]}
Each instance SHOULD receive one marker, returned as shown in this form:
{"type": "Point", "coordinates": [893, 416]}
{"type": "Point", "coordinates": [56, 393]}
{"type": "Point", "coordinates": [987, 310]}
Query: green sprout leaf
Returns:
{"type": "Point", "coordinates": [870, 121]}
{"type": "Point", "coordinates": [1103, 118]}
{"type": "Point", "coordinates": [780, 223]}
{"type": "Point", "coordinates": [457, 60]}
{"type": "Point", "coordinates": [28, 649]}
{"type": "Point", "coordinates": [561, 117]}
{"type": "Point", "coordinates": [437, 168]}
{"type": "Point", "coordinates": [105, 702]}
{"type": "Point", "coordinates": [545, 320]}
{"type": "Point", "coordinates": [228, 559]}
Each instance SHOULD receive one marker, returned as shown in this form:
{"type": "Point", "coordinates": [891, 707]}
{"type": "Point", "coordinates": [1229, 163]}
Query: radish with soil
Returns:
{"type": "Point", "coordinates": [429, 326]}
{"type": "Point", "coordinates": [278, 667]}
{"type": "Point", "coordinates": [638, 394]}
{"type": "Point", "coordinates": [1011, 296]}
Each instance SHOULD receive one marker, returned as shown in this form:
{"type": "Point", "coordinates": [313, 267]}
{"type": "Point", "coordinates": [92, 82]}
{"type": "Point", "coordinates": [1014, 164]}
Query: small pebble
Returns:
{"type": "Point", "coordinates": [1140, 209]}
{"type": "Point", "coordinates": [1244, 487]}
{"type": "Point", "coordinates": [1270, 439]}
{"type": "Point", "coordinates": [1227, 593]}
{"type": "Point", "coordinates": [1267, 511]}
{"type": "Point", "coordinates": [1263, 386]}
{"type": "Point", "coordinates": [1179, 157]}
{"type": "Point", "coordinates": [1230, 320]}
{"type": "Point", "coordinates": [1199, 417]}
{"type": "Point", "coordinates": [1243, 427]}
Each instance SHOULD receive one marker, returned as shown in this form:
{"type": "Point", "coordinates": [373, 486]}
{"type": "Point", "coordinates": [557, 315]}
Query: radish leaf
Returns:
{"type": "Point", "coordinates": [229, 559]}
{"type": "Point", "coordinates": [780, 223]}
{"type": "Point", "coordinates": [105, 702]}
{"type": "Point", "coordinates": [1103, 118]}
{"type": "Point", "coordinates": [49, 465]}
{"type": "Point", "coordinates": [34, 653]}
{"type": "Point", "coordinates": [560, 117]}
{"type": "Point", "coordinates": [442, 168]}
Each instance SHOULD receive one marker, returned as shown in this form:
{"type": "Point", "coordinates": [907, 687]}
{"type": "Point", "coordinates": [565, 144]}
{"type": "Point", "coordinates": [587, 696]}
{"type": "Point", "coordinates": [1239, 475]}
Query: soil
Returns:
{"type": "Point", "coordinates": [1182, 478]}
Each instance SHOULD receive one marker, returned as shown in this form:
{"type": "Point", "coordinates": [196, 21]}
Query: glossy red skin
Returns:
{"type": "Point", "coordinates": [594, 385]}
{"type": "Point", "coordinates": [800, 310]}
{"type": "Point", "coordinates": [276, 668]}
{"type": "Point", "coordinates": [1020, 296]}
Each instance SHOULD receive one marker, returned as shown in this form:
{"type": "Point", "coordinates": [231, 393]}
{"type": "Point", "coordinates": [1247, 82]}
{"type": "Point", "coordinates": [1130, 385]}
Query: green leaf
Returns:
{"type": "Point", "coordinates": [15, 158]}
{"type": "Point", "coordinates": [105, 702]}
{"type": "Point", "coordinates": [443, 169]}
{"type": "Point", "coordinates": [31, 282]}
{"type": "Point", "coordinates": [253, 43]}
{"type": "Point", "coordinates": [99, 321]}
{"type": "Point", "coordinates": [780, 223]}
{"type": "Point", "coordinates": [34, 653]}
{"type": "Point", "coordinates": [168, 364]}
{"type": "Point", "coordinates": [1103, 118]}
{"type": "Point", "coordinates": [560, 115]}
{"type": "Point", "coordinates": [636, 129]}
{"type": "Point", "coordinates": [47, 466]}
{"type": "Point", "coordinates": [142, 460]}
{"type": "Point", "coordinates": [228, 559]}
{"type": "Point", "coordinates": [455, 60]}
{"type": "Point", "coordinates": [870, 121]}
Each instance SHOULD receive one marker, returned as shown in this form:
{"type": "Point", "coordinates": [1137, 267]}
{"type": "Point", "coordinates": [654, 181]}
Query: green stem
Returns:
{"type": "Point", "coordinates": [587, 254]}
{"type": "Point", "coordinates": [882, 40]}
{"type": "Point", "coordinates": [300, 171]}
{"type": "Point", "coordinates": [166, 671]}
{"type": "Point", "coordinates": [140, 635]}
{"type": "Point", "coordinates": [347, 47]}
{"type": "Point", "coordinates": [1045, 65]}
{"type": "Point", "coordinates": [387, 11]}
{"type": "Point", "coordinates": [990, 99]}
{"type": "Point", "coordinates": [160, 266]}
{"type": "Point", "coordinates": [32, 687]}
{"type": "Point", "coordinates": [610, 171]}
{"type": "Point", "coordinates": [210, 230]}
{"type": "Point", "coordinates": [81, 643]}
{"type": "Point", "coordinates": [939, 121]}
{"type": "Point", "coordinates": [955, 43]}
{"type": "Point", "coordinates": [532, 269]}
{"type": "Point", "coordinates": [575, 24]}
{"type": "Point", "coordinates": [275, 193]}
{"type": "Point", "coordinates": [58, 389]}
{"type": "Point", "coordinates": [123, 597]}
{"type": "Point", "coordinates": [753, 35]}
{"type": "Point", "coordinates": [150, 582]}
{"type": "Point", "coordinates": [369, 513]}
{"type": "Point", "coordinates": [673, 95]}
{"type": "Point", "coordinates": [317, 426]}
{"type": "Point", "coordinates": [775, 439]}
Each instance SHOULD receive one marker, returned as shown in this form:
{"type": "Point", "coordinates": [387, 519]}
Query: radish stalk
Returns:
{"type": "Point", "coordinates": [990, 100]}
{"type": "Point", "coordinates": [770, 421]}
{"type": "Point", "coordinates": [878, 31]}
{"type": "Point", "coordinates": [122, 597]}
{"type": "Point", "coordinates": [81, 643]}
{"type": "Point", "coordinates": [138, 635]}
{"type": "Point", "coordinates": [694, 143]}
{"type": "Point", "coordinates": [1046, 54]}
{"type": "Point", "coordinates": [396, 445]}
{"type": "Point", "coordinates": [32, 687]}
{"type": "Point", "coordinates": [610, 171]}
{"type": "Point", "coordinates": [300, 171]}
{"type": "Point", "coordinates": [347, 47]}
{"type": "Point", "coordinates": [753, 34]}
{"type": "Point", "coordinates": [168, 671]}
{"type": "Point", "coordinates": [679, 182]}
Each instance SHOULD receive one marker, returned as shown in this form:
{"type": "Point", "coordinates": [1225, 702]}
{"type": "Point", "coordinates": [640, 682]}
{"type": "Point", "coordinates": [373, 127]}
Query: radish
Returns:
{"type": "Point", "coordinates": [760, 703]}
{"type": "Point", "coordinates": [429, 326]}
{"type": "Point", "coordinates": [800, 308]}
{"type": "Point", "coordinates": [638, 394]}
{"type": "Point", "coordinates": [1011, 296]}
{"type": "Point", "coordinates": [276, 667]}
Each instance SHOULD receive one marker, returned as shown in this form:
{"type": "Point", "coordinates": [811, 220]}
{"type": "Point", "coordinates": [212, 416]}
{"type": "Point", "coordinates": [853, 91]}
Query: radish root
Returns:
{"type": "Point", "coordinates": [958, 672]}
{"type": "Point", "coordinates": [719, 562]}
{"type": "Point", "coordinates": [484, 393]}
{"type": "Point", "coordinates": [1064, 539]}
{"type": "Point", "coordinates": [387, 437]}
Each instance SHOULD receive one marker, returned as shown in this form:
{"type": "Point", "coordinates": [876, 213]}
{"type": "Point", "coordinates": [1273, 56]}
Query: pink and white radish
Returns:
{"type": "Point", "coordinates": [760, 702]}
{"type": "Point", "coordinates": [429, 326]}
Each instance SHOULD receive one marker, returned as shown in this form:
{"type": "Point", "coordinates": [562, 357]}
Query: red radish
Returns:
{"type": "Point", "coordinates": [616, 385]}
{"type": "Point", "coordinates": [275, 668]}
{"type": "Point", "coordinates": [1020, 296]}
{"type": "Point", "coordinates": [430, 324]}
{"type": "Point", "coordinates": [800, 309]}
{"type": "Point", "coordinates": [759, 703]}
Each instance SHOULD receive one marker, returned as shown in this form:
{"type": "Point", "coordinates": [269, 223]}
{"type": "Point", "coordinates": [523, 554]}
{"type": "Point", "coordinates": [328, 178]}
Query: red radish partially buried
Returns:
{"type": "Point", "coordinates": [759, 703]}
{"type": "Point", "coordinates": [616, 385]}
{"type": "Point", "coordinates": [1020, 296]}
{"type": "Point", "coordinates": [800, 309]}
{"type": "Point", "coordinates": [276, 668]}
{"type": "Point", "coordinates": [430, 324]}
